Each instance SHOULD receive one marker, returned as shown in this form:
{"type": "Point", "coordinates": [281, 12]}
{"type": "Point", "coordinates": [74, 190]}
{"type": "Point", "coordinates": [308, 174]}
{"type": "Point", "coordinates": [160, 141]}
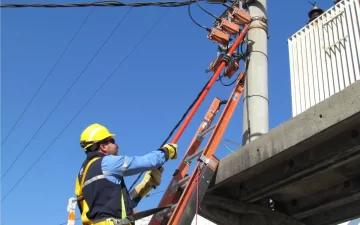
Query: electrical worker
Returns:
{"type": "Point", "coordinates": [102, 195]}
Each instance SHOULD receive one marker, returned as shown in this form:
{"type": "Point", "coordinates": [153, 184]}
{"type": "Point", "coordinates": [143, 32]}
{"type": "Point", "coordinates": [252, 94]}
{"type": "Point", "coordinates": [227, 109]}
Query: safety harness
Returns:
{"type": "Point", "coordinates": [84, 208]}
{"type": "Point", "coordinates": [125, 219]}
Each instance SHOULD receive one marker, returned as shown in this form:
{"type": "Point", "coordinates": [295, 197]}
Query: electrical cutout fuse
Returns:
{"type": "Point", "coordinates": [219, 36]}
{"type": "Point", "coordinates": [231, 68]}
{"type": "Point", "coordinates": [239, 16]}
{"type": "Point", "coordinates": [229, 27]}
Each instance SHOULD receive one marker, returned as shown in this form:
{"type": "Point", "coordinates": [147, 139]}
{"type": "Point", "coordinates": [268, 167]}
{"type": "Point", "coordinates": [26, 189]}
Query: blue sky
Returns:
{"type": "Point", "coordinates": [141, 102]}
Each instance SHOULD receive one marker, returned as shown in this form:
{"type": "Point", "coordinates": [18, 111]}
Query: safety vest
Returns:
{"type": "Point", "coordinates": [97, 197]}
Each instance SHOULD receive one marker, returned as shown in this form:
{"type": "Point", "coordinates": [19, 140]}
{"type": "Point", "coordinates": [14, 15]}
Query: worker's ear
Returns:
{"type": "Point", "coordinates": [102, 148]}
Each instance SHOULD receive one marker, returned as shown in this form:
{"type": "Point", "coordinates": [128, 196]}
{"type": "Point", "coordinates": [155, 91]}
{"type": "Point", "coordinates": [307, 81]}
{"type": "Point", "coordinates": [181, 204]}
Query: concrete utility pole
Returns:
{"type": "Point", "coordinates": [256, 104]}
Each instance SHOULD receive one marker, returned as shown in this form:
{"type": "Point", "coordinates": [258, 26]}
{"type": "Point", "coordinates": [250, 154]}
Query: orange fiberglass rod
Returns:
{"type": "Point", "coordinates": [168, 199]}
{"type": "Point", "coordinates": [210, 84]}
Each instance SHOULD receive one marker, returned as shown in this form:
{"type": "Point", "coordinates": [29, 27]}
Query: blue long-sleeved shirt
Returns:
{"type": "Point", "coordinates": [119, 166]}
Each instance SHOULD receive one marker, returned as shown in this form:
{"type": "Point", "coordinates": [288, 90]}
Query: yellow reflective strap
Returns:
{"type": "Point", "coordinates": [86, 169]}
{"type": "Point", "coordinates": [123, 210]}
{"type": "Point", "coordinates": [105, 223]}
{"type": "Point", "coordinates": [79, 193]}
{"type": "Point", "coordinates": [79, 185]}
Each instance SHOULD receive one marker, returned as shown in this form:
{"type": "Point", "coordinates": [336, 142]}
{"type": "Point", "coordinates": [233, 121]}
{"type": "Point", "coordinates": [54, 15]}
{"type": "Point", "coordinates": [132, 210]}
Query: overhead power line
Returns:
{"type": "Point", "coordinates": [52, 69]}
{"type": "Point", "coordinates": [101, 4]}
{"type": "Point", "coordinates": [82, 108]}
{"type": "Point", "coordinates": [66, 93]}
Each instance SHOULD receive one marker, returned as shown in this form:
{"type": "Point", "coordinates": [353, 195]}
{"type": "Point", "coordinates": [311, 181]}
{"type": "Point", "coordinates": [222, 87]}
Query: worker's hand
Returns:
{"type": "Point", "coordinates": [171, 150]}
{"type": "Point", "coordinates": [151, 179]}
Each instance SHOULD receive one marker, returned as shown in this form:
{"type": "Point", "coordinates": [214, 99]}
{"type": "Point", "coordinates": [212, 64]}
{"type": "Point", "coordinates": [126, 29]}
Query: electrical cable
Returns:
{"type": "Point", "coordinates": [101, 4]}
{"type": "Point", "coordinates": [233, 142]}
{"type": "Point", "coordinates": [52, 69]}
{"type": "Point", "coordinates": [227, 147]}
{"type": "Point", "coordinates": [173, 130]}
{"type": "Point", "coordinates": [209, 13]}
{"type": "Point", "coordinates": [68, 124]}
{"type": "Point", "coordinates": [187, 111]}
{"type": "Point", "coordinates": [155, 193]}
{"type": "Point", "coordinates": [241, 48]}
{"type": "Point", "coordinates": [177, 125]}
{"type": "Point", "coordinates": [220, 78]}
{"type": "Point", "coordinates": [184, 116]}
{"type": "Point", "coordinates": [201, 26]}
{"type": "Point", "coordinates": [66, 93]}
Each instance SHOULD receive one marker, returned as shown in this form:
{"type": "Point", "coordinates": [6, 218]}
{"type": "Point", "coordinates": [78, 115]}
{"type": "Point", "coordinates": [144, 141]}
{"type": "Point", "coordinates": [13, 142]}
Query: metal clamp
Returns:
{"type": "Point", "coordinates": [189, 158]}
{"type": "Point", "coordinates": [260, 26]}
{"type": "Point", "coordinates": [174, 186]}
{"type": "Point", "coordinates": [226, 58]}
{"type": "Point", "coordinates": [261, 18]}
{"type": "Point", "coordinates": [160, 215]}
{"type": "Point", "coordinates": [205, 132]}
{"type": "Point", "coordinates": [207, 160]}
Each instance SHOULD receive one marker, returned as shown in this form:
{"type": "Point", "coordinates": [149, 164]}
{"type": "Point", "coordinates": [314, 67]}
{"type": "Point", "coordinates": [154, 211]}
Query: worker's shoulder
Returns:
{"type": "Point", "coordinates": [113, 163]}
{"type": "Point", "coordinates": [113, 159]}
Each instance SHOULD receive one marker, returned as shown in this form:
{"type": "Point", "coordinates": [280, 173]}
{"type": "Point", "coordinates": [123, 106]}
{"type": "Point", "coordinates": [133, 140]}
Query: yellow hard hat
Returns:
{"type": "Point", "coordinates": [93, 134]}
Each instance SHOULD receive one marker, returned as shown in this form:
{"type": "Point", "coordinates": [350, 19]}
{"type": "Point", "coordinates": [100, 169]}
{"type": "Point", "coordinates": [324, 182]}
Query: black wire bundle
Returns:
{"type": "Point", "coordinates": [102, 4]}
{"type": "Point", "coordinates": [177, 125]}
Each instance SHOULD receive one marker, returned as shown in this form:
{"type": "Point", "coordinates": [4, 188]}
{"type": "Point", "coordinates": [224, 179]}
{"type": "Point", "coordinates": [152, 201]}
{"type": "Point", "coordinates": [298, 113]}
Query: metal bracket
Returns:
{"type": "Point", "coordinates": [201, 135]}
{"type": "Point", "coordinates": [207, 160]}
{"type": "Point", "coordinates": [261, 18]}
{"type": "Point", "coordinates": [189, 158]}
{"type": "Point", "coordinates": [174, 186]}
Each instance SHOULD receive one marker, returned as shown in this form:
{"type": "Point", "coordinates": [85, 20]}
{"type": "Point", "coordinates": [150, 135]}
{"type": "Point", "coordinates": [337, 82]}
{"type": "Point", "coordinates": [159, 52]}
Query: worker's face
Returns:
{"type": "Point", "coordinates": [109, 147]}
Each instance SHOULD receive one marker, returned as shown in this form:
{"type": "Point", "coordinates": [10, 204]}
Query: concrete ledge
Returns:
{"type": "Point", "coordinates": [229, 211]}
{"type": "Point", "coordinates": [316, 125]}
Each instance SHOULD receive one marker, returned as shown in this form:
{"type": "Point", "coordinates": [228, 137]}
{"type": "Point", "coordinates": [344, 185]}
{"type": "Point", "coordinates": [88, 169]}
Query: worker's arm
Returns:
{"type": "Point", "coordinates": [117, 166]}
{"type": "Point", "coordinates": [127, 166]}
{"type": "Point", "coordinates": [130, 165]}
{"type": "Point", "coordinates": [152, 178]}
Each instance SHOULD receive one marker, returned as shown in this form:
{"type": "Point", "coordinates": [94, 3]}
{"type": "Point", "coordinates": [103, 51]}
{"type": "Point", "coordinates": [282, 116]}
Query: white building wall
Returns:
{"type": "Point", "coordinates": [325, 55]}
{"type": "Point", "coordinates": [325, 58]}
